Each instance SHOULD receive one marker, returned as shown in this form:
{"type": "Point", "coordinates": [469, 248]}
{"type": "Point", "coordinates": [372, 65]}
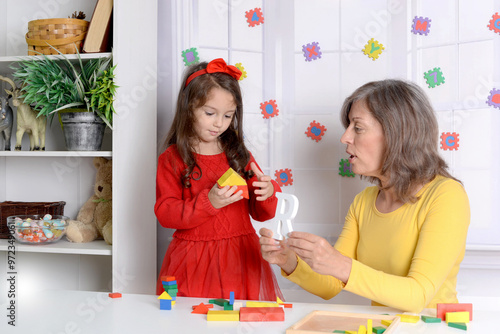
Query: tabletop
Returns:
{"type": "Point", "coordinates": [94, 312]}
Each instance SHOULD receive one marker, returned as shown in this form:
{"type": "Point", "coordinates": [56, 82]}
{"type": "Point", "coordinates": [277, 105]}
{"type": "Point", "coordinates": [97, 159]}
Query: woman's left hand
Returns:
{"type": "Point", "coordinates": [264, 187]}
{"type": "Point", "coordinates": [322, 257]}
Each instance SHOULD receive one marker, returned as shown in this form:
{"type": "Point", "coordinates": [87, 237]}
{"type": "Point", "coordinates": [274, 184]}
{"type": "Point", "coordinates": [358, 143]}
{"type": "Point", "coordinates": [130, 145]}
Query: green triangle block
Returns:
{"type": "Point", "coordinates": [428, 319]}
{"type": "Point", "coordinates": [459, 325]}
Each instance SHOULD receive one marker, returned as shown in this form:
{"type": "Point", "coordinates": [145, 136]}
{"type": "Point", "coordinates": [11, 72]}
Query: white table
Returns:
{"type": "Point", "coordinates": [94, 312]}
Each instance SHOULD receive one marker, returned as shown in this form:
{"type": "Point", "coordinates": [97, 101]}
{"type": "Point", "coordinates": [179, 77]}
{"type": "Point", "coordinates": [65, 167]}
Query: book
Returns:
{"type": "Point", "coordinates": [99, 34]}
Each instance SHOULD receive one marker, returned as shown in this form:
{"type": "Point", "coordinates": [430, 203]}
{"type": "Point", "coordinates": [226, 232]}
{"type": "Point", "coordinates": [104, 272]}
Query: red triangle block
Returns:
{"type": "Point", "coordinates": [200, 309]}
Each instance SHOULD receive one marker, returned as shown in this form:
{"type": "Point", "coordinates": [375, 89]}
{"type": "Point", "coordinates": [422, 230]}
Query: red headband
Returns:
{"type": "Point", "coordinates": [216, 65]}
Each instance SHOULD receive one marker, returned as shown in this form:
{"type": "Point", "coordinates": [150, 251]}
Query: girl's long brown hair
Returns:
{"type": "Point", "coordinates": [182, 133]}
{"type": "Point", "coordinates": [411, 155]}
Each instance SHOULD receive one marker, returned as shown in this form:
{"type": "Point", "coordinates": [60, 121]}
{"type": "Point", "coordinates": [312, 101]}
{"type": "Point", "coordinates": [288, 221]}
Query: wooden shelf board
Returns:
{"type": "Point", "coordinates": [97, 247]}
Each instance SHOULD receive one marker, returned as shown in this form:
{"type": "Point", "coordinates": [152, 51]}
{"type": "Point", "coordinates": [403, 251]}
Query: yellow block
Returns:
{"type": "Point", "coordinates": [231, 178]}
{"type": "Point", "coordinates": [351, 332]}
{"type": "Point", "coordinates": [369, 326]}
{"type": "Point", "coordinates": [223, 315]}
{"type": "Point", "coordinates": [362, 329]}
{"type": "Point", "coordinates": [278, 300]}
{"type": "Point", "coordinates": [386, 322]}
{"type": "Point", "coordinates": [261, 304]}
{"type": "Point", "coordinates": [457, 317]}
{"type": "Point", "coordinates": [408, 318]}
{"type": "Point", "coordinates": [164, 295]}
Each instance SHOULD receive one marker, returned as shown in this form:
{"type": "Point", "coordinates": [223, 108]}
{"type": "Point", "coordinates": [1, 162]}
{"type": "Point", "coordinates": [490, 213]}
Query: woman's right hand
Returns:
{"type": "Point", "coordinates": [221, 197]}
{"type": "Point", "coordinates": [276, 252]}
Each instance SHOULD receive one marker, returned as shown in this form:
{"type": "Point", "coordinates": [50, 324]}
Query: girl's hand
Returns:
{"type": "Point", "coordinates": [221, 197]}
{"type": "Point", "coordinates": [266, 188]}
{"type": "Point", "coordinates": [276, 252]}
{"type": "Point", "coordinates": [322, 257]}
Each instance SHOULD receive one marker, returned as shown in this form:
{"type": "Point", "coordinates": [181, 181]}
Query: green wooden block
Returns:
{"type": "Point", "coordinates": [428, 319]}
{"type": "Point", "coordinates": [459, 325]}
{"type": "Point", "coordinates": [228, 307]}
{"type": "Point", "coordinates": [378, 330]}
{"type": "Point", "coordinates": [219, 302]}
{"type": "Point", "coordinates": [337, 331]}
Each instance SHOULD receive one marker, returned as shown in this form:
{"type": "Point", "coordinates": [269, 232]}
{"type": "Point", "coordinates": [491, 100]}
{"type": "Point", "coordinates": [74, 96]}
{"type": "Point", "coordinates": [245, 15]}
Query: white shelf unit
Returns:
{"type": "Point", "coordinates": [129, 265]}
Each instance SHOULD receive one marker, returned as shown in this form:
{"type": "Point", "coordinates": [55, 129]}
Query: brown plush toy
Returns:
{"type": "Point", "coordinates": [94, 219]}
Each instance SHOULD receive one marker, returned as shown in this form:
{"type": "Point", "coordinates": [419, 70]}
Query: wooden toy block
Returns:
{"type": "Point", "coordinates": [167, 278]}
{"type": "Point", "coordinates": [201, 304]}
{"type": "Point", "coordinates": [409, 318]}
{"type": "Point", "coordinates": [279, 301]}
{"type": "Point", "coordinates": [459, 325]}
{"type": "Point", "coordinates": [386, 322]}
{"type": "Point", "coordinates": [237, 306]}
{"type": "Point", "coordinates": [115, 295]}
{"type": "Point", "coordinates": [169, 283]}
{"type": "Point", "coordinates": [165, 304]}
{"type": "Point", "coordinates": [172, 292]}
{"type": "Point", "coordinates": [443, 308]}
{"type": "Point", "coordinates": [369, 326]}
{"type": "Point", "coordinates": [219, 301]}
{"type": "Point", "coordinates": [164, 295]}
{"type": "Point", "coordinates": [231, 297]}
{"type": "Point", "coordinates": [251, 303]}
{"type": "Point", "coordinates": [378, 329]}
{"type": "Point", "coordinates": [457, 317]}
{"type": "Point", "coordinates": [200, 309]}
{"type": "Point", "coordinates": [228, 307]}
{"type": "Point", "coordinates": [262, 314]}
{"type": "Point", "coordinates": [231, 178]}
{"type": "Point", "coordinates": [338, 331]}
{"type": "Point", "coordinates": [362, 329]}
{"type": "Point", "coordinates": [223, 315]}
{"type": "Point", "coordinates": [428, 319]}
{"type": "Point", "coordinates": [351, 332]}
{"type": "Point", "coordinates": [286, 305]}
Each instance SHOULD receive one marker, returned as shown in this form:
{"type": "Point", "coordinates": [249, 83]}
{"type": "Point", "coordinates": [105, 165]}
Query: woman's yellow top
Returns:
{"type": "Point", "coordinates": [407, 259]}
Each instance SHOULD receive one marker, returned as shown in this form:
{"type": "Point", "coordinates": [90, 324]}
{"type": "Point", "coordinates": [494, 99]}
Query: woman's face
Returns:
{"type": "Point", "coordinates": [365, 141]}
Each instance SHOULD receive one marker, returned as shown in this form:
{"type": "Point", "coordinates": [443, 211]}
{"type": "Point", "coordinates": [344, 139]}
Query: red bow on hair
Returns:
{"type": "Point", "coordinates": [216, 66]}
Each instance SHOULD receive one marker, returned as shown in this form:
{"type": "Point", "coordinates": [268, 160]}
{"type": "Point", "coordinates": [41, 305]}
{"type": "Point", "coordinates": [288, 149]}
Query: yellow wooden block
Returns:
{"type": "Point", "coordinates": [213, 315]}
{"type": "Point", "coordinates": [251, 303]}
{"type": "Point", "coordinates": [457, 317]}
{"type": "Point", "coordinates": [408, 318]}
{"type": "Point", "coordinates": [351, 332]}
{"type": "Point", "coordinates": [386, 322]}
{"type": "Point", "coordinates": [361, 329]}
{"type": "Point", "coordinates": [231, 178]}
{"type": "Point", "coordinates": [369, 326]}
{"type": "Point", "coordinates": [164, 295]}
{"type": "Point", "coordinates": [278, 300]}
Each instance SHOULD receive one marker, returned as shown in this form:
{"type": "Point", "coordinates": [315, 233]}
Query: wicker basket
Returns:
{"type": "Point", "coordinates": [26, 208]}
{"type": "Point", "coordinates": [63, 34]}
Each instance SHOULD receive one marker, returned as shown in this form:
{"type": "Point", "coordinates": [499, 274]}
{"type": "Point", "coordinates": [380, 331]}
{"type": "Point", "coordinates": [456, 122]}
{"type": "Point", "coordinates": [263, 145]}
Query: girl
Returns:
{"type": "Point", "coordinates": [215, 249]}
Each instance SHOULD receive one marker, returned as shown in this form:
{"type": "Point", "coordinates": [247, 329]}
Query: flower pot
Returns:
{"type": "Point", "coordinates": [83, 131]}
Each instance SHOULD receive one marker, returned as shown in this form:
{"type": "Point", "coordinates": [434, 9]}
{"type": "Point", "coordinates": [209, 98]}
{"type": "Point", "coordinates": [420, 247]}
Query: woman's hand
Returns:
{"type": "Point", "coordinates": [264, 186]}
{"type": "Point", "coordinates": [320, 255]}
{"type": "Point", "coordinates": [275, 251]}
{"type": "Point", "coordinates": [221, 197]}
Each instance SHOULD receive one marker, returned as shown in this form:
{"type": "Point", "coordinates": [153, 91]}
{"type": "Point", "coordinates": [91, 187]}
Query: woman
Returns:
{"type": "Point", "coordinates": [404, 238]}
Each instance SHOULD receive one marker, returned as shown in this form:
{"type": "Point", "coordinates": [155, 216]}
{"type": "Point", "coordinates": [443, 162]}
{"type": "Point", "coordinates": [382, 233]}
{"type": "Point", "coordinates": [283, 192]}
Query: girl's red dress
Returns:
{"type": "Point", "coordinates": [213, 251]}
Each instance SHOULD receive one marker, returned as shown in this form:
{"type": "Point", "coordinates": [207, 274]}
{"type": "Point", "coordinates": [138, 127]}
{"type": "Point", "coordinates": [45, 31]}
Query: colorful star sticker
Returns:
{"type": "Point", "coordinates": [373, 49]}
{"type": "Point", "coordinates": [284, 177]}
{"type": "Point", "coordinates": [449, 141]}
{"type": "Point", "coordinates": [254, 17]}
{"type": "Point", "coordinates": [345, 168]}
{"type": "Point", "coordinates": [495, 23]}
{"type": "Point", "coordinates": [311, 51]}
{"type": "Point", "coordinates": [421, 25]}
{"type": "Point", "coordinates": [434, 77]}
{"type": "Point", "coordinates": [190, 56]}
{"type": "Point", "coordinates": [315, 131]}
{"type": "Point", "coordinates": [494, 98]}
{"type": "Point", "coordinates": [269, 109]}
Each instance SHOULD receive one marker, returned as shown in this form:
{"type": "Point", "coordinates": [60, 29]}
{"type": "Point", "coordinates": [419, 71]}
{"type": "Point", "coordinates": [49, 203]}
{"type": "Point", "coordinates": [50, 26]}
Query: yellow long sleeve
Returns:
{"type": "Point", "coordinates": [406, 259]}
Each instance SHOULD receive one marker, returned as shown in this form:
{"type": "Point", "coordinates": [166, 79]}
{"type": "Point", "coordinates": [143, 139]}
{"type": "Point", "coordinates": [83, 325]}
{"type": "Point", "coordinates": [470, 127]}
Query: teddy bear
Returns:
{"type": "Point", "coordinates": [94, 218]}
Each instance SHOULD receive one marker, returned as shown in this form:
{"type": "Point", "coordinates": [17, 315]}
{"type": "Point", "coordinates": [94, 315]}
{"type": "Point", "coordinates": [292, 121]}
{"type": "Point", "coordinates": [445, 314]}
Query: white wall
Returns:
{"type": "Point", "coordinates": [271, 53]}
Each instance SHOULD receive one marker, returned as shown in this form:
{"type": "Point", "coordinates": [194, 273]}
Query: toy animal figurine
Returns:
{"type": "Point", "coordinates": [27, 120]}
{"type": "Point", "coordinates": [6, 122]}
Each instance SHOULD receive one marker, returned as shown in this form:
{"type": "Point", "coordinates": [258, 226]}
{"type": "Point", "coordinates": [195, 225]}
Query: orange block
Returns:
{"type": "Point", "coordinates": [262, 314]}
{"type": "Point", "coordinates": [285, 305]}
{"type": "Point", "coordinates": [443, 308]}
{"type": "Point", "coordinates": [206, 305]}
{"type": "Point", "coordinates": [167, 278]}
{"type": "Point", "coordinates": [201, 309]}
{"type": "Point", "coordinates": [115, 295]}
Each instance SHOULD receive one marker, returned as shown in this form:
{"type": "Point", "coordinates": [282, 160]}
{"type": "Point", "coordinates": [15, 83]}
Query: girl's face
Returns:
{"type": "Point", "coordinates": [212, 119]}
{"type": "Point", "coordinates": [365, 141]}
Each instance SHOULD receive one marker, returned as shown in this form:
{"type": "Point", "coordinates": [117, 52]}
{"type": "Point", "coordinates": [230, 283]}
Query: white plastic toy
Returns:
{"type": "Point", "coordinates": [286, 210]}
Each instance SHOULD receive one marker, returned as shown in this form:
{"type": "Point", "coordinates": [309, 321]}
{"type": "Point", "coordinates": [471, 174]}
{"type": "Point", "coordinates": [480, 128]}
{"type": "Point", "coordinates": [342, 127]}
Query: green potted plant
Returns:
{"type": "Point", "coordinates": [81, 93]}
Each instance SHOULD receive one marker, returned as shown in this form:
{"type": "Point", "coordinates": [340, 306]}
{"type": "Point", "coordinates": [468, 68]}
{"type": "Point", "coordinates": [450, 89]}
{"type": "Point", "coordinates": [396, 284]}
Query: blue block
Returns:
{"type": "Point", "coordinates": [169, 282]}
{"type": "Point", "coordinates": [165, 304]}
{"type": "Point", "coordinates": [231, 298]}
